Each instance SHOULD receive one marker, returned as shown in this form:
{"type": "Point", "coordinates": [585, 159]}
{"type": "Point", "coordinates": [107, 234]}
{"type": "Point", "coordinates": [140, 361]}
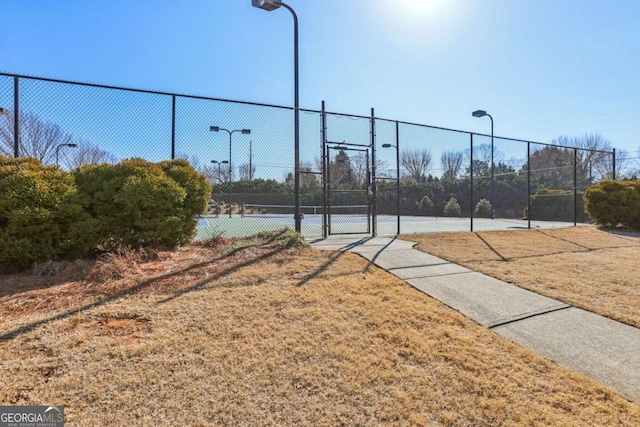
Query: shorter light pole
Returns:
{"type": "Point", "coordinates": [250, 160]}
{"type": "Point", "coordinates": [70, 145]}
{"type": "Point", "coordinates": [230, 132]}
{"type": "Point", "coordinates": [482, 113]}
{"type": "Point", "coordinates": [224, 162]}
{"type": "Point", "coordinates": [397, 179]}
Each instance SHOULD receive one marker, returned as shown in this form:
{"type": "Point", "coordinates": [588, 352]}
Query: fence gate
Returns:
{"type": "Point", "coordinates": [348, 182]}
{"type": "Point", "coordinates": [348, 190]}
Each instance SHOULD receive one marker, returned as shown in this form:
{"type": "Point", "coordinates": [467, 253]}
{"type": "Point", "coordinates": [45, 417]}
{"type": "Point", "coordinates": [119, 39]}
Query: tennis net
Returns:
{"type": "Point", "coordinates": [280, 211]}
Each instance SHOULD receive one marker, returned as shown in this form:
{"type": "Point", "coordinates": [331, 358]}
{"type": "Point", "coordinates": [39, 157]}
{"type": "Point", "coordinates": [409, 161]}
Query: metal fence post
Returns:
{"type": "Point", "coordinates": [471, 180]}
{"type": "Point", "coordinates": [374, 212]}
{"type": "Point", "coordinates": [324, 177]}
{"type": "Point", "coordinates": [575, 187]}
{"type": "Point", "coordinates": [614, 165]}
{"type": "Point", "coordinates": [173, 127]}
{"type": "Point", "coordinates": [398, 172]}
{"type": "Point", "coordinates": [16, 116]}
{"type": "Point", "coordinates": [529, 185]}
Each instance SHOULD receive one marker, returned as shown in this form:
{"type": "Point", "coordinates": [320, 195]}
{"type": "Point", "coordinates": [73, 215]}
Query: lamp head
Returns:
{"type": "Point", "coordinates": [4, 111]}
{"type": "Point", "coordinates": [214, 128]}
{"type": "Point", "coordinates": [214, 161]}
{"type": "Point", "coordinates": [246, 131]}
{"type": "Point", "coordinates": [387, 145]}
{"type": "Point", "coordinates": [72, 145]}
{"type": "Point", "coordinates": [267, 5]}
{"type": "Point", "coordinates": [479, 113]}
{"type": "Point", "coordinates": [225, 162]}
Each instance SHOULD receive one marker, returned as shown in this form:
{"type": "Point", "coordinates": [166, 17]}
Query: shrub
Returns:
{"type": "Point", "coordinates": [614, 203]}
{"type": "Point", "coordinates": [41, 217]}
{"type": "Point", "coordinates": [452, 207]}
{"type": "Point", "coordinates": [134, 204]}
{"type": "Point", "coordinates": [426, 205]}
{"type": "Point", "coordinates": [483, 209]}
{"type": "Point", "coordinates": [197, 188]}
{"type": "Point", "coordinates": [554, 204]}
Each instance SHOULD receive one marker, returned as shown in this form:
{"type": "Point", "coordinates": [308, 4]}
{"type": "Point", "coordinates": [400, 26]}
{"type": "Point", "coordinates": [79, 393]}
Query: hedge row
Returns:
{"type": "Point", "coordinates": [614, 204]}
{"type": "Point", "coordinates": [49, 214]}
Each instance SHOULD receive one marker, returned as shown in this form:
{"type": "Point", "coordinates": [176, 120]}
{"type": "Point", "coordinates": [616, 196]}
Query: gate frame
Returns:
{"type": "Point", "coordinates": [370, 191]}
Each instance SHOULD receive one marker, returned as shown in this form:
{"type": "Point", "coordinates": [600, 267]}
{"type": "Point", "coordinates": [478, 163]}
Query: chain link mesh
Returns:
{"type": "Point", "coordinates": [407, 178]}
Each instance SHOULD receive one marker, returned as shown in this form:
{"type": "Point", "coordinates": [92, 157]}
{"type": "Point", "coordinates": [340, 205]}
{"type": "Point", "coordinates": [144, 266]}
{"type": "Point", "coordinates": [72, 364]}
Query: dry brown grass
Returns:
{"type": "Point", "coordinates": [589, 268]}
{"type": "Point", "coordinates": [267, 334]}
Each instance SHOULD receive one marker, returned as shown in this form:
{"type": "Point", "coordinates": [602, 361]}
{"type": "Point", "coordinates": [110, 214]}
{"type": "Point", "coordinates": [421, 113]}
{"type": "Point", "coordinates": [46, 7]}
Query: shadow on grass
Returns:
{"type": "Point", "coordinates": [332, 259]}
{"type": "Point", "coordinates": [32, 326]}
{"type": "Point", "coordinates": [491, 248]}
{"type": "Point", "coordinates": [201, 284]}
{"type": "Point", "coordinates": [629, 235]}
{"type": "Point", "coordinates": [339, 253]}
{"type": "Point", "coordinates": [565, 240]}
{"type": "Point", "coordinates": [44, 275]}
{"type": "Point", "coordinates": [580, 247]}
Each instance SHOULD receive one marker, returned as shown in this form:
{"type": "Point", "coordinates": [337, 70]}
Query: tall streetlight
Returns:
{"type": "Point", "coordinates": [230, 132]}
{"type": "Point", "coordinates": [70, 145]}
{"type": "Point", "coordinates": [270, 5]}
{"type": "Point", "coordinates": [397, 179]}
{"type": "Point", "coordinates": [482, 113]}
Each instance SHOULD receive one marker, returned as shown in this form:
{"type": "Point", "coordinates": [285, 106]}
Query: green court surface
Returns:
{"type": "Point", "coordinates": [238, 226]}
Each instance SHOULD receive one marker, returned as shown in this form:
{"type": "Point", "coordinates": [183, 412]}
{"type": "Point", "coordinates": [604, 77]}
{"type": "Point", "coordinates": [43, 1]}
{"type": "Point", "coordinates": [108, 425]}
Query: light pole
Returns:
{"type": "Point", "coordinates": [270, 5]}
{"type": "Point", "coordinates": [482, 113]}
{"type": "Point", "coordinates": [230, 132]}
{"type": "Point", "coordinates": [71, 145]}
{"type": "Point", "coordinates": [224, 162]}
{"type": "Point", "coordinates": [250, 160]}
{"type": "Point", "coordinates": [397, 179]}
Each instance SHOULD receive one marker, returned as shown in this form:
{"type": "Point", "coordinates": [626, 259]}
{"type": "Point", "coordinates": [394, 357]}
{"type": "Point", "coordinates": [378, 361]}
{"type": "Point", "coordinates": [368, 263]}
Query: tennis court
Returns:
{"type": "Point", "coordinates": [350, 220]}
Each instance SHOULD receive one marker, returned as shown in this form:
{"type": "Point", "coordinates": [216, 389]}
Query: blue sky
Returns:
{"type": "Point", "coordinates": [541, 68]}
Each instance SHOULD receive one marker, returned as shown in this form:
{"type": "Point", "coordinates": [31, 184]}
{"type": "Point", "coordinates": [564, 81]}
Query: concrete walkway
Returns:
{"type": "Point", "coordinates": [601, 348]}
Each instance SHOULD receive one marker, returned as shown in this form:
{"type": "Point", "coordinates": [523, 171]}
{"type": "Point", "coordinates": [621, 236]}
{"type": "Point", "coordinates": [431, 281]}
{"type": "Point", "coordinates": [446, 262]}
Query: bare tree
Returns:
{"type": "Point", "coordinates": [215, 173]}
{"type": "Point", "coordinates": [624, 165]}
{"type": "Point", "coordinates": [193, 160]}
{"type": "Point", "coordinates": [451, 164]}
{"type": "Point", "coordinates": [482, 155]}
{"type": "Point", "coordinates": [593, 155]}
{"type": "Point", "coordinates": [552, 166]}
{"type": "Point", "coordinates": [416, 163]}
{"type": "Point", "coordinates": [38, 139]}
{"type": "Point", "coordinates": [86, 154]}
{"type": "Point", "coordinates": [246, 174]}
{"type": "Point", "coordinates": [308, 176]}
{"type": "Point", "coordinates": [360, 167]}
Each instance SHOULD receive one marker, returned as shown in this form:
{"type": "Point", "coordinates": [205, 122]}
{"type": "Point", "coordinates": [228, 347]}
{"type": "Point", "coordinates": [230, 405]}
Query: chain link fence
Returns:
{"type": "Point", "coordinates": [358, 174]}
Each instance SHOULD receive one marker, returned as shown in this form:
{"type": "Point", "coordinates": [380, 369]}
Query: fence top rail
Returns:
{"type": "Point", "coordinates": [259, 104]}
{"type": "Point", "coordinates": [148, 91]}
